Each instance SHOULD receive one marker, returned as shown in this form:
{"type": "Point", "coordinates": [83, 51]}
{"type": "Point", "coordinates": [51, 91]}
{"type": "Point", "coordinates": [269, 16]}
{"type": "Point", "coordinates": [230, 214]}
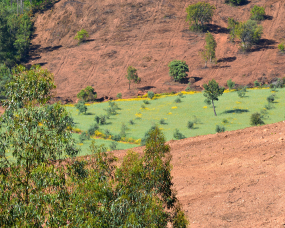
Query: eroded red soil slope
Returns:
{"type": "Point", "coordinates": [231, 179]}
{"type": "Point", "coordinates": [148, 34]}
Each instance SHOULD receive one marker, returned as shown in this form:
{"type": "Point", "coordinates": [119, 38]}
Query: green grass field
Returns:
{"type": "Point", "coordinates": [232, 112]}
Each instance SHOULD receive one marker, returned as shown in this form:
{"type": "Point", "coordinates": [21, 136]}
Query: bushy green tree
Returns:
{"type": "Point", "coordinates": [257, 13]}
{"type": "Point", "coordinates": [81, 36]}
{"type": "Point", "coordinates": [178, 70]}
{"type": "Point", "coordinates": [178, 135]}
{"type": "Point", "coordinates": [132, 75]}
{"type": "Point", "coordinates": [87, 94]}
{"type": "Point", "coordinates": [220, 129]}
{"type": "Point", "coordinates": [212, 92]}
{"type": "Point", "coordinates": [249, 33]}
{"type": "Point", "coordinates": [199, 14]}
{"type": "Point", "coordinates": [230, 84]}
{"type": "Point", "coordinates": [5, 77]}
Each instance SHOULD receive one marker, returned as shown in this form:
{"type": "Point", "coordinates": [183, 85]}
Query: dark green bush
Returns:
{"type": "Point", "coordinates": [146, 102]}
{"type": "Point", "coordinates": [131, 122]}
{"type": "Point", "coordinates": [178, 70]}
{"type": "Point", "coordinates": [150, 94]}
{"type": "Point", "coordinates": [256, 83]}
{"type": "Point", "coordinates": [190, 124]}
{"type": "Point", "coordinates": [270, 99]}
{"type": "Point", "coordinates": [101, 119]}
{"type": "Point", "coordinates": [178, 135]}
{"type": "Point", "coordinates": [107, 133]}
{"type": "Point", "coordinates": [230, 84]}
{"type": "Point", "coordinates": [220, 128]}
{"type": "Point", "coordinates": [241, 92]}
{"type": "Point", "coordinates": [162, 121]}
{"type": "Point", "coordinates": [236, 2]}
{"type": "Point", "coordinates": [255, 119]}
{"type": "Point", "coordinates": [177, 100]}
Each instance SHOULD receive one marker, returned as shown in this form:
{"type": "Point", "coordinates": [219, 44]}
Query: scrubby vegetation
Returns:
{"type": "Point", "coordinates": [81, 36]}
{"type": "Point", "coordinates": [178, 70]}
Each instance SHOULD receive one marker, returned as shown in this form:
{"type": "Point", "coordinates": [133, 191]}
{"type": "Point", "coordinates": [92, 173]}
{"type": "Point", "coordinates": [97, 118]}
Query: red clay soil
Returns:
{"type": "Point", "coordinates": [148, 34]}
{"type": "Point", "coordinates": [231, 179]}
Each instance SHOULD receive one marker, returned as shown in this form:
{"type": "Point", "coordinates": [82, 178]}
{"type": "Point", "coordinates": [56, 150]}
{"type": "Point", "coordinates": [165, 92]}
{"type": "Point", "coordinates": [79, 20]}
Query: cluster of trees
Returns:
{"type": "Point", "coordinates": [44, 184]}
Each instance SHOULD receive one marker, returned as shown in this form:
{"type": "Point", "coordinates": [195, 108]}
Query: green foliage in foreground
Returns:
{"type": "Point", "coordinates": [39, 188]}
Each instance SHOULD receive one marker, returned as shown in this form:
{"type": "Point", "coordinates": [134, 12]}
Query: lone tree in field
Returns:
{"type": "Point", "coordinates": [199, 14]}
{"type": "Point", "coordinates": [230, 84]}
{"type": "Point", "coordinates": [212, 92]}
{"type": "Point", "coordinates": [210, 49]}
{"type": "Point", "coordinates": [132, 75]}
{"type": "Point", "coordinates": [178, 69]}
{"type": "Point", "coordinates": [249, 33]}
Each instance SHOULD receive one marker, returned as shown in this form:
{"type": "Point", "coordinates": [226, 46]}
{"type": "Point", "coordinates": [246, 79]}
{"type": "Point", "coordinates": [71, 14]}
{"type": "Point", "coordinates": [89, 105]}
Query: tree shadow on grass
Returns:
{"type": "Point", "coordinates": [89, 113]}
{"type": "Point", "coordinates": [238, 110]}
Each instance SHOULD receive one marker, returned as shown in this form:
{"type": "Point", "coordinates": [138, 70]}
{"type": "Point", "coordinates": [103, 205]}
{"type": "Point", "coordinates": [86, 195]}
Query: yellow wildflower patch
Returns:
{"type": "Point", "coordinates": [138, 115]}
{"type": "Point", "coordinates": [205, 107]}
{"type": "Point", "coordinates": [169, 113]}
{"type": "Point", "coordinates": [238, 102]}
{"type": "Point", "coordinates": [69, 105]}
{"type": "Point", "coordinates": [174, 107]}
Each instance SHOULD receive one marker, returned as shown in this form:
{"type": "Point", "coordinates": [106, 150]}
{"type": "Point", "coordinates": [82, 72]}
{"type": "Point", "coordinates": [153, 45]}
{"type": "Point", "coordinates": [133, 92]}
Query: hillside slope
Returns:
{"type": "Point", "coordinates": [148, 34]}
{"type": "Point", "coordinates": [231, 179]}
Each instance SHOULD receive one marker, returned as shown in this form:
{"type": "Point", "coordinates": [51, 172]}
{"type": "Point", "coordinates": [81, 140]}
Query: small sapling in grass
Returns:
{"type": "Point", "coordinates": [162, 121]}
{"type": "Point", "coordinates": [180, 95]}
{"type": "Point", "coordinates": [178, 135]}
{"type": "Point", "coordinates": [220, 129]}
{"type": "Point", "coordinates": [82, 108]}
{"type": "Point", "coordinates": [177, 100]}
{"type": "Point", "coordinates": [143, 106]}
{"type": "Point", "coordinates": [255, 119]}
{"type": "Point", "coordinates": [241, 92]}
{"type": "Point", "coordinates": [190, 124]}
{"type": "Point", "coordinates": [230, 84]}
{"type": "Point", "coordinates": [225, 121]}
{"type": "Point", "coordinates": [270, 99]}
{"type": "Point", "coordinates": [107, 133]}
{"type": "Point", "coordinates": [131, 122]}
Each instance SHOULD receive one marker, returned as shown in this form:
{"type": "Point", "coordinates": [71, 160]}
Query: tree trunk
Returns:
{"type": "Point", "coordinates": [205, 64]}
{"type": "Point", "coordinates": [129, 85]}
{"type": "Point", "coordinates": [17, 7]}
{"type": "Point", "coordinates": [214, 108]}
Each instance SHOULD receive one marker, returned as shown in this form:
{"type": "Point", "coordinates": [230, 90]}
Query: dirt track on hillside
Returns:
{"type": "Point", "coordinates": [148, 34]}
{"type": "Point", "coordinates": [231, 179]}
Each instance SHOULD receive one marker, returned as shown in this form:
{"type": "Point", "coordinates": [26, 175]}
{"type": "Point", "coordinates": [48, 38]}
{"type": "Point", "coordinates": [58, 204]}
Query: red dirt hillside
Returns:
{"type": "Point", "coordinates": [148, 34]}
{"type": "Point", "coordinates": [231, 179]}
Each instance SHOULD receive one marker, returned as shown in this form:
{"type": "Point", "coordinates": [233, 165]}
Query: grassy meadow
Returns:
{"type": "Point", "coordinates": [233, 113]}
